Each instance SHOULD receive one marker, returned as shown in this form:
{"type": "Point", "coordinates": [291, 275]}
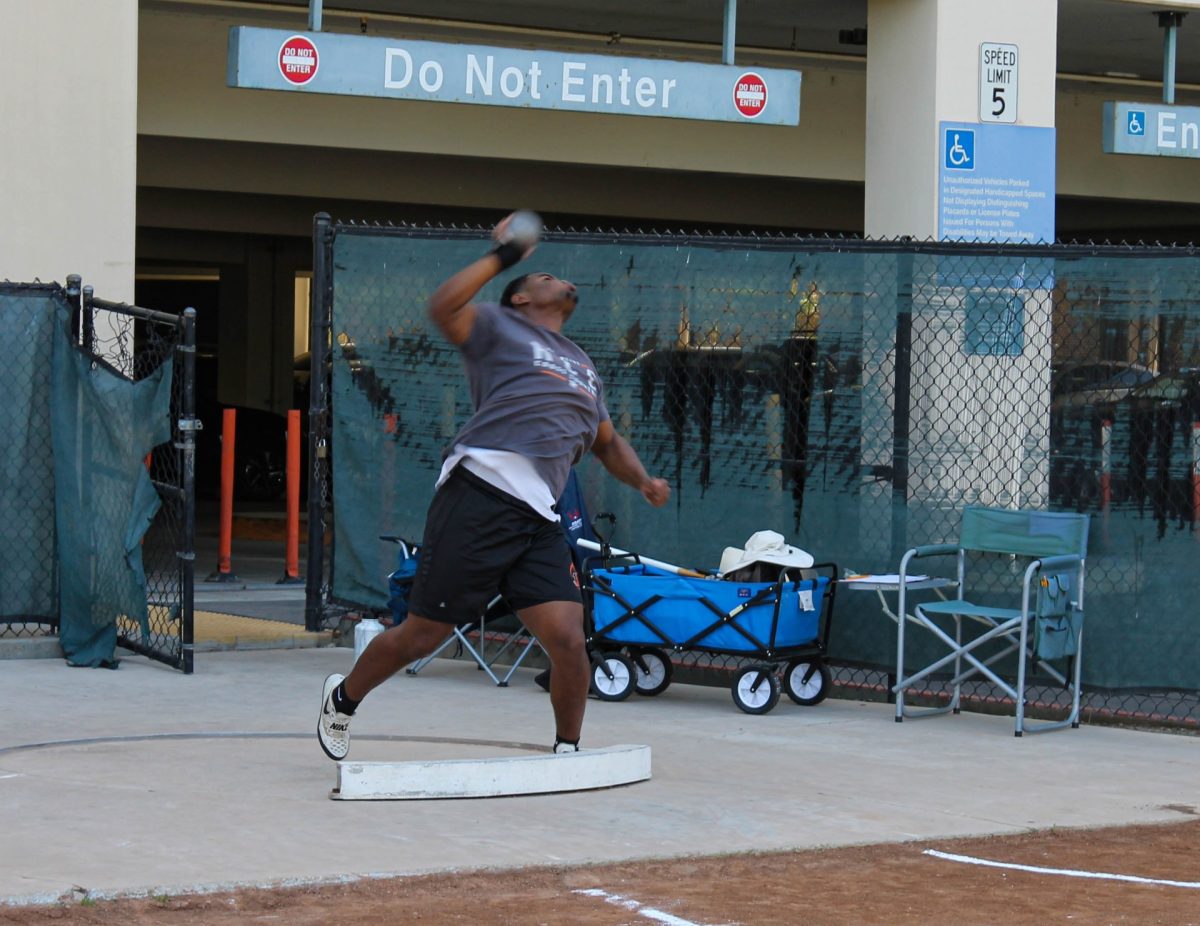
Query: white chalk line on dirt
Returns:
{"type": "Point", "coordinates": [634, 906]}
{"type": "Point", "coordinates": [1067, 872]}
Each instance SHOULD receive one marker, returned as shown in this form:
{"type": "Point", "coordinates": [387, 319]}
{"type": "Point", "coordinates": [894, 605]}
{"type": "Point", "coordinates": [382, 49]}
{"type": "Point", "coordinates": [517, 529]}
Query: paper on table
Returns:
{"type": "Point", "coordinates": [893, 578]}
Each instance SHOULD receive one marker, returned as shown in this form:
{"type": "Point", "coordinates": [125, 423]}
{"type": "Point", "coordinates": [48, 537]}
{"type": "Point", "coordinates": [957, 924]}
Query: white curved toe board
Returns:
{"type": "Point", "coordinates": [543, 773]}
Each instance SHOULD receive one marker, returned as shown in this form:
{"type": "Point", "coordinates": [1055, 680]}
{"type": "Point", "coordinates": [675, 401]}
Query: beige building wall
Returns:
{"type": "Point", "coordinates": [223, 159]}
{"type": "Point", "coordinates": [194, 102]}
{"type": "Point", "coordinates": [199, 135]}
{"type": "Point", "coordinates": [923, 69]}
{"type": "Point", "coordinates": [68, 130]}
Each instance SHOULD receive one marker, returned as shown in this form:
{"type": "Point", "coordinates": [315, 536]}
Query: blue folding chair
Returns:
{"type": "Point", "coordinates": [1047, 627]}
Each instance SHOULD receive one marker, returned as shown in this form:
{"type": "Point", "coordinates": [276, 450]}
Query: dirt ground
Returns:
{"type": "Point", "coordinates": [893, 884]}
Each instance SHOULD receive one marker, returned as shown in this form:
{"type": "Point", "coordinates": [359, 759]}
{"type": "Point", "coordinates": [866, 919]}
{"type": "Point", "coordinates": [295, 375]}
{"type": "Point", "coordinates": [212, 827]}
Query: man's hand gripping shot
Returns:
{"type": "Point", "coordinates": [492, 527]}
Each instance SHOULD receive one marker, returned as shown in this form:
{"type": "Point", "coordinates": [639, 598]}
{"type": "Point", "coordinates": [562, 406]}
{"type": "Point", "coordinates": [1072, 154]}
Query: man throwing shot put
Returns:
{"type": "Point", "coordinates": [539, 406]}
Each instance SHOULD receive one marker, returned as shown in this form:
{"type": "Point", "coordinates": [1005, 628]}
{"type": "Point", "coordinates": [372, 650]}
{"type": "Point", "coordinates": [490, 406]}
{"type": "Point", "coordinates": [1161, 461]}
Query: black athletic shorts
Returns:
{"type": "Point", "coordinates": [480, 540]}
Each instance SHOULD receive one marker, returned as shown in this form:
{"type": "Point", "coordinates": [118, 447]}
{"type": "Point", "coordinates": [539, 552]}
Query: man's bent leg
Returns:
{"type": "Point", "coordinates": [390, 651]}
{"type": "Point", "coordinates": [558, 626]}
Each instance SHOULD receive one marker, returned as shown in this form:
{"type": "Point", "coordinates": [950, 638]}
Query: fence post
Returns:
{"type": "Point", "coordinates": [901, 397]}
{"type": "Point", "coordinates": [291, 566]}
{"type": "Point", "coordinates": [87, 321]}
{"type": "Point", "coordinates": [320, 306]}
{"type": "Point", "coordinates": [224, 571]}
{"type": "Point", "coordinates": [188, 425]}
{"type": "Point", "coordinates": [74, 282]}
{"type": "Point", "coordinates": [1105, 464]}
{"type": "Point", "coordinates": [1195, 474]}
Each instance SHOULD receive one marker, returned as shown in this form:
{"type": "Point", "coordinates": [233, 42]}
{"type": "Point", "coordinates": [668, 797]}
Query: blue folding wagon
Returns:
{"type": "Point", "coordinates": [638, 614]}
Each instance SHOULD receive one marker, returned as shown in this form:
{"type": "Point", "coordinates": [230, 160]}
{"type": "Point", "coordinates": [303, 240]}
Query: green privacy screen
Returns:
{"type": "Point", "coordinates": [853, 396]}
{"type": "Point", "coordinates": [77, 496]}
{"type": "Point", "coordinates": [28, 566]}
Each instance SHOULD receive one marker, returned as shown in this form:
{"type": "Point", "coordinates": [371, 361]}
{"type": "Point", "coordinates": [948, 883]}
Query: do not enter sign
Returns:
{"type": "Point", "coordinates": [298, 60]}
{"type": "Point", "coordinates": [750, 95]}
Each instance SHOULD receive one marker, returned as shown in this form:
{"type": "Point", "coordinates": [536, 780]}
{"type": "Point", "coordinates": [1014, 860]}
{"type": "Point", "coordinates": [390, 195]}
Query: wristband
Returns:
{"type": "Point", "coordinates": [508, 253]}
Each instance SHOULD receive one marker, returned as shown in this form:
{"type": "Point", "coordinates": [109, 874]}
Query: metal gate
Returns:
{"type": "Point", "coordinates": [136, 341]}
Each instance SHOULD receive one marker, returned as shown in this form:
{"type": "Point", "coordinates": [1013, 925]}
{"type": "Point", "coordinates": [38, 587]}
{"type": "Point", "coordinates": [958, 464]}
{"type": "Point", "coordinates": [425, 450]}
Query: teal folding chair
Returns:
{"type": "Point", "coordinates": [1046, 628]}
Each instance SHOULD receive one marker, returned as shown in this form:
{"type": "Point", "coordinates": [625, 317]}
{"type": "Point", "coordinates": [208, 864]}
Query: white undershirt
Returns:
{"type": "Point", "coordinates": [507, 471]}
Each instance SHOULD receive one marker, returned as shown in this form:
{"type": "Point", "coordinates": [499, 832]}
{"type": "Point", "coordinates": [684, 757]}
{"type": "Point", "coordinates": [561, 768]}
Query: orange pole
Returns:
{"type": "Point", "coordinates": [228, 438]}
{"type": "Point", "coordinates": [292, 566]}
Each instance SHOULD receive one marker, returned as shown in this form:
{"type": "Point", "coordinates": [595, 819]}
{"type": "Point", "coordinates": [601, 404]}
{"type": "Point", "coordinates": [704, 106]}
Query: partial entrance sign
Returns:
{"type": "Point", "coordinates": [1153, 129]}
{"type": "Point", "coordinates": [998, 66]}
{"type": "Point", "coordinates": [446, 72]}
{"type": "Point", "coordinates": [298, 60]}
{"type": "Point", "coordinates": [750, 95]}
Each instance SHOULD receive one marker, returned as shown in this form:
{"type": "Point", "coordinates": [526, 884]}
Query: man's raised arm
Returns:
{"type": "Point", "coordinates": [450, 306]}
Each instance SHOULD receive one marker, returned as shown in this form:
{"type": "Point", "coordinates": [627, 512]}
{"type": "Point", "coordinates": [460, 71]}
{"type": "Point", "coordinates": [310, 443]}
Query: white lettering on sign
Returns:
{"type": "Point", "coordinates": [431, 77]}
{"type": "Point", "coordinates": [1173, 134]}
{"type": "Point", "coordinates": [1166, 130]}
{"type": "Point", "coordinates": [389, 79]}
{"type": "Point", "coordinates": [998, 82]}
{"type": "Point", "coordinates": [609, 89]}
{"type": "Point", "coordinates": [512, 83]}
{"type": "Point", "coordinates": [477, 74]}
{"type": "Point", "coordinates": [569, 81]}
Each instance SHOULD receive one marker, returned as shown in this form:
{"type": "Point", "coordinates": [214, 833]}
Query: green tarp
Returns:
{"type": "Point", "coordinates": [81, 432]}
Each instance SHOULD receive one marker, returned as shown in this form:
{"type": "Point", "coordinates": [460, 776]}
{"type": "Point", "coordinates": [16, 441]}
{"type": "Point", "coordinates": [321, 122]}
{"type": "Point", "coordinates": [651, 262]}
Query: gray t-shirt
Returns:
{"type": "Point", "coordinates": [535, 391]}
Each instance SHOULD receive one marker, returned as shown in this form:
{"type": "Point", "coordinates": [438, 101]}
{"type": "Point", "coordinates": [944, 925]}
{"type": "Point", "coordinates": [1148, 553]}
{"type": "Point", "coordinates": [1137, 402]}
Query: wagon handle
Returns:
{"type": "Point", "coordinates": [604, 537]}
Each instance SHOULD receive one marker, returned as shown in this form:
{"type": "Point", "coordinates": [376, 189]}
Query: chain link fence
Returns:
{"type": "Point", "coordinates": [71, 483]}
{"type": "Point", "coordinates": [852, 395]}
{"type": "Point", "coordinates": [28, 565]}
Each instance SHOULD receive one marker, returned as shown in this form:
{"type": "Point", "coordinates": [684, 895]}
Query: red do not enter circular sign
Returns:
{"type": "Point", "coordinates": [750, 95]}
{"type": "Point", "coordinates": [298, 60]}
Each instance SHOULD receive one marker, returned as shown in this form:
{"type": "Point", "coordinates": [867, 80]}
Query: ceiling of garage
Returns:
{"type": "Point", "coordinates": [1113, 38]}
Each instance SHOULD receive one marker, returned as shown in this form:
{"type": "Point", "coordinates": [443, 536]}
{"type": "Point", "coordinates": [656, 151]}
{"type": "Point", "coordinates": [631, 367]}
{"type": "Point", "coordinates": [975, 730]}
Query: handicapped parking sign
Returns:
{"type": "Point", "coordinates": [1135, 122]}
{"type": "Point", "coordinates": [960, 149]}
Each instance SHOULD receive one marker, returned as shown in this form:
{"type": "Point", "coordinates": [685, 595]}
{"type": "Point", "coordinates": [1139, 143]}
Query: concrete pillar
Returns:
{"type": "Point", "coordinates": [923, 68]}
{"type": "Point", "coordinates": [68, 126]}
{"type": "Point", "coordinates": [973, 424]}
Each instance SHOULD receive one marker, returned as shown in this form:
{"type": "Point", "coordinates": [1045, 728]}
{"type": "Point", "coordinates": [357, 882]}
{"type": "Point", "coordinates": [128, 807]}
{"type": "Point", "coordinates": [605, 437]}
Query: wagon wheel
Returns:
{"type": "Point", "coordinates": [654, 671]}
{"type": "Point", "coordinates": [613, 676]}
{"type": "Point", "coordinates": [807, 681]}
{"type": "Point", "coordinates": [756, 689]}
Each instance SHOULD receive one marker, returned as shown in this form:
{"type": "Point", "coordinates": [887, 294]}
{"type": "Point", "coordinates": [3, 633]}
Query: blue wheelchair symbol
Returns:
{"type": "Point", "coordinates": [1136, 122]}
{"type": "Point", "coordinates": [960, 149]}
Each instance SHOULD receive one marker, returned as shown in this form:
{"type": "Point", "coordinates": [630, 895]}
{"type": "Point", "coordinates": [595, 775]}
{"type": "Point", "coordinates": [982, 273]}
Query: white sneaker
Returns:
{"type": "Point", "coordinates": [333, 728]}
{"type": "Point", "coordinates": [565, 747]}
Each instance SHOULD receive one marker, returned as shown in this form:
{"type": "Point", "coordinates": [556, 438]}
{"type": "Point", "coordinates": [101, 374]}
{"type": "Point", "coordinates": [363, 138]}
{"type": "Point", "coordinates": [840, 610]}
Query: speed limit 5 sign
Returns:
{"type": "Point", "coordinates": [998, 82]}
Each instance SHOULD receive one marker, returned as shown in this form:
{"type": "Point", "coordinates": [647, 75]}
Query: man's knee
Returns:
{"type": "Point", "coordinates": [423, 633]}
{"type": "Point", "coordinates": [558, 626]}
{"type": "Point", "coordinates": [570, 645]}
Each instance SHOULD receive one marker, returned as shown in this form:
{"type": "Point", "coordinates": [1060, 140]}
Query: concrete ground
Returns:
{"type": "Point", "coordinates": [144, 780]}
{"type": "Point", "coordinates": [133, 805]}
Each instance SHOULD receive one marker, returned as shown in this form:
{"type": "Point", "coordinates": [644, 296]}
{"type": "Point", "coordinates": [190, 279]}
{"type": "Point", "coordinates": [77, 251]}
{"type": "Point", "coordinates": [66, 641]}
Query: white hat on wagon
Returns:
{"type": "Point", "coordinates": [764, 547]}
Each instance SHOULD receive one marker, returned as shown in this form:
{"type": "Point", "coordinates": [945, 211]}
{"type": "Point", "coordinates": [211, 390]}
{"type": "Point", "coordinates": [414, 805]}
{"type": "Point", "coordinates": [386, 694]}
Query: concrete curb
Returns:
{"type": "Point", "coordinates": [50, 648]}
{"type": "Point", "coordinates": [31, 648]}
